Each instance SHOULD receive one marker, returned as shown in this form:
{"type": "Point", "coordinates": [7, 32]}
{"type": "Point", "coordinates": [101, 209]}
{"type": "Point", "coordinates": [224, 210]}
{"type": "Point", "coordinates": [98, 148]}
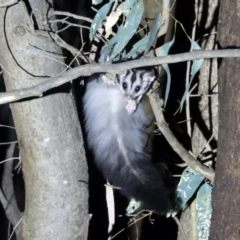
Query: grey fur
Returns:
{"type": "Point", "coordinates": [118, 141]}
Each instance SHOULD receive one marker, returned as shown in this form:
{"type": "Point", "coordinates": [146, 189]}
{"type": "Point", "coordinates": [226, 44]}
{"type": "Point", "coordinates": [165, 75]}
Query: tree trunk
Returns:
{"type": "Point", "coordinates": [48, 129]}
{"type": "Point", "coordinates": [226, 195]}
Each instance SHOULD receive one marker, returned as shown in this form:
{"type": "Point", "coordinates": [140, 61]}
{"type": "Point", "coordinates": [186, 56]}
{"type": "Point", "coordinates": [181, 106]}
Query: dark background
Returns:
{"type": "Point", "coordinates": [162, 228]}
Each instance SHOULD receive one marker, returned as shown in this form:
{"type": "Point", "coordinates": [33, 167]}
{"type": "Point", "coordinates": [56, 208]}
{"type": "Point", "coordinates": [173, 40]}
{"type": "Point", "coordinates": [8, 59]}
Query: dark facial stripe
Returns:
{"type": "Point", "coordinates": [118, 78]}
{"type": "Point", "coordinates": [133, 77]}
{"type": "Point", "coordinates": [141, 75]}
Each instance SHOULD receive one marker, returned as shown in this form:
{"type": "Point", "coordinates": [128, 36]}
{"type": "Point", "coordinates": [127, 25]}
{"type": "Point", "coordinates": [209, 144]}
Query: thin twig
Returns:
{"type": "Point", "coordinates": [11, 208]}
{"type": "Point", "coordinates": [9, 159]}
{"type": "Point", "coordinates": [68, 47]}
{"type": "Point", "coordinates": [69, 23]}
{"type": "Point", "coordinates": [6, 143]}
{"type": "Point", "coordinates": [72, 15]}
{"type": "Point", "coordinates": [188, 116]}
{"type": "Point", "coordinates": [63, 29]}
{"type": "Point", "coordinates": [134, 222]}
{"type": "Point", "coordinates": [6, 126]}
{"type": "Point", "coordinates": [14, 229]}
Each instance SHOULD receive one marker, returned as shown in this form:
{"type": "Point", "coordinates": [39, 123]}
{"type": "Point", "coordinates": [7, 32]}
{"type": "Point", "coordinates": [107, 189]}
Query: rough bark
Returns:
{"type": "Point", "coordinates": [48, 129]}
{"type": "Point", "coordinates": [205, 129]}
{"type": "Point", "coordinates": [226, 192]}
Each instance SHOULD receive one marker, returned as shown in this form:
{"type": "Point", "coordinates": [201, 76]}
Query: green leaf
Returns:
{"type": "Point", "coordinates": [156, 25]}
{"type": "Point", "coordinates": [138, 47]}
{"type": "Point", "coordinates": [96, 2]}
{"type": "Point", "coordinates": [126, 6]}
{"type": "Point", "coordinates": [115, 39]}
{"type": "Point", "coordinates": [98, 19]}
{"type": "Point", "coordinates": [126, 32]}
{"type": "Point", "coordinates": [189, 183]}
{"type": "Point", "coordinates": [105, 52]}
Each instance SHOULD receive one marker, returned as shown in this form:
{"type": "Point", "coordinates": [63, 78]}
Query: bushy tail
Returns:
{"type": "Point", "coordinates": [138, 178]}
{"type": "Point", "coordinates": [118, 141]}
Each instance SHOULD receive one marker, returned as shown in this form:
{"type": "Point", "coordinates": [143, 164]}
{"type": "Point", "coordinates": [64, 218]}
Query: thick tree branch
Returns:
{"type": "Point", "coordinates": [48, 130]}
{"type": "Point", "coordinates": [87, 70]}
{"type": "Point", "coordinates": [177, 147]}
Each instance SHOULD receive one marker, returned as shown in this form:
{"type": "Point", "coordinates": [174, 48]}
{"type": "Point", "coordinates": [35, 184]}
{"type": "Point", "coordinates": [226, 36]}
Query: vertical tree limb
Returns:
{"type": "Point", "coordinates": [226, 195]}
{"type": "Point", "coordinates": [48, 129]}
